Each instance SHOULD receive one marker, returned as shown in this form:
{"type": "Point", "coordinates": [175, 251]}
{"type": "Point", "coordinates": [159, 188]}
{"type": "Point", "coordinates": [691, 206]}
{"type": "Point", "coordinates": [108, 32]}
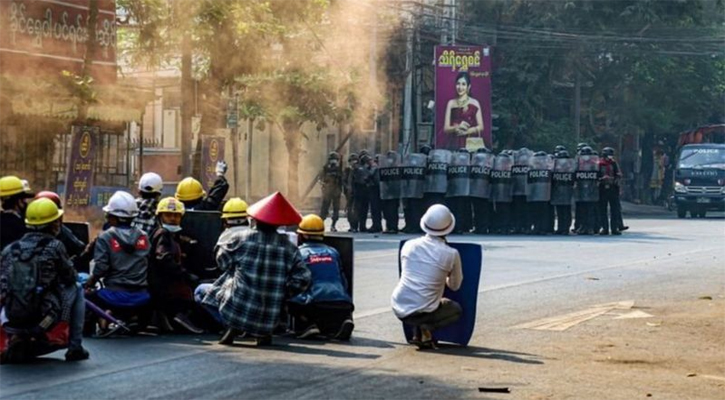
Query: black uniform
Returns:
{"type": "Point", "coordinates": [331, 190]}
{"type": "Point", "coordinates": [609, 196]}
{"type": "Point", "coordinates": [348, 188]}
{"type": "Point", "coordinates": [361, 181]}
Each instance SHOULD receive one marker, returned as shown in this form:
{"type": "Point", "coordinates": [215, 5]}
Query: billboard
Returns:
{"type": "Point", "coordinates": [81, 165]}
{"type": "Point", "coordinates": [45, 37]}
{"type": "Point", "coordinates": [462, 97]}
{"type": "Point", "coordinates": [212, 151]}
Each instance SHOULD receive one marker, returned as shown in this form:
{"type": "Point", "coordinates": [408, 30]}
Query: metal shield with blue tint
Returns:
{"type": "Point", "coordinates": [459, 332]}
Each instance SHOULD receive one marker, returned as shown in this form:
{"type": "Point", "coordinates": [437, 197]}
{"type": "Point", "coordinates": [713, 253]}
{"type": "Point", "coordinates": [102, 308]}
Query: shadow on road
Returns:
{"type": "Point", "coordinates": [489, 354]}
{"type": "Point", "coordinates": [307, 348]}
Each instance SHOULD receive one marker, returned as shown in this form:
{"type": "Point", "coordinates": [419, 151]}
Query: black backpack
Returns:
{"type": "Point", "coordinates": [23, 305]}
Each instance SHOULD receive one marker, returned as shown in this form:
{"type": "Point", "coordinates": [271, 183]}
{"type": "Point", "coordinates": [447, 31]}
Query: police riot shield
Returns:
{"type": "Point", "coordinates": [459, 171]}
{"type": "Point", "coordinates": [538, 183]}
{"type": "Point", "coordinates": [413, 176]}
{"type": "Point", "coordinates": [501, 185]}
{"type": "Point", "coordinates": [390, 178]}
{"type": "Point", "coordinates": [562, 181]}
{"type": "Point", "coordinates": [481, 166]}
{"type": "Point", "coordinates": [436, 177]}
{"type": "Point", "coordinates": [200, 231]}
{"type": "Point", "coordinates": [586, 178]}
{"type": "Point", "coordinates": [344, 246]}
{"type": "Point", "coordinates": [520, 171]}
{"type": "Point", "coordinates": [466, 296]}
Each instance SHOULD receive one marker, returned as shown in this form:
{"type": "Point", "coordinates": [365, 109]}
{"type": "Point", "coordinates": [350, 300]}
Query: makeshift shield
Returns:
{"type": "Point", "coordinates": [81, 230]}
{"type": "Point", "coordinates": [346, 247]}
{"type": "Point", "coordinates": [459, 332]}
{"type": "Point", "coordinates": [200, 233]}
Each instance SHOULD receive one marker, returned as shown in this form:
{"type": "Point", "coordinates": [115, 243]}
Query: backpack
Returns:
{"type": "Point", "coordinates": [23, 305]}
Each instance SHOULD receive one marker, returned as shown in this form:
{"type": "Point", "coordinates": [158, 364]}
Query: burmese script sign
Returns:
{"type": "Point", "coordinates": [79, 177]}
{"type": "Point", "coordinates": [462, 97]}
{"type": "Point", "coordinates": [212, 151]}
{"type": "Point", "coordinates": [45, 37]}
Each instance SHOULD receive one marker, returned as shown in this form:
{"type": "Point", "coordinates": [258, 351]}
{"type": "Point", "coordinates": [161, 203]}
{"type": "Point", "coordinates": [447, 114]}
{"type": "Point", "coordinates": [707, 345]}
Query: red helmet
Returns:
{"type": "Point", "coordinates": [46, 194]}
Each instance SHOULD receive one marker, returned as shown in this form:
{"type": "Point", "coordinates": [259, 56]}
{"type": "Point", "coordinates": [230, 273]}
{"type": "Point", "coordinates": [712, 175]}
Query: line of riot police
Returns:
{"type": "Point", "coordinates": [512, 192]}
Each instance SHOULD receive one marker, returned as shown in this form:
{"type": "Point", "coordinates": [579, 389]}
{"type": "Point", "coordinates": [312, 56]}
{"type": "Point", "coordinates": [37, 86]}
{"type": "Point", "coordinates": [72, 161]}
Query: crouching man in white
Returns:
{"type": "Point", "coordinates": [428, 265]}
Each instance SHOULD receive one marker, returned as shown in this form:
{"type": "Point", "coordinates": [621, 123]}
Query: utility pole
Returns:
{"type": "Point", "coordinates": [408, 102]}
{"type": "Point", "coordinates": [577, 105]}
{"type": "Point", "coordinates": [187, 92]}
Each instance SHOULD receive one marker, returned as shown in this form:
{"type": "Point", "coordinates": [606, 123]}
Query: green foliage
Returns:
{"type": "Point", "coordinates": [653, 66]}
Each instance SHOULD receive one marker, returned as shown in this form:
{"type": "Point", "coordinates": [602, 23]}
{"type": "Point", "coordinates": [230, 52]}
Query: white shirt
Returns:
{"type": "Point", "coordinates": [428, 265]}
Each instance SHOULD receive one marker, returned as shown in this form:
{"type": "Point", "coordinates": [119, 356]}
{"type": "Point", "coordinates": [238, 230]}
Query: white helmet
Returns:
{"type": "Point", "coordinates": [150, 182]}
{"type": "Point", "coordinates": [122, 205]}
{"type": "Point", "coordinates": [438, 220]}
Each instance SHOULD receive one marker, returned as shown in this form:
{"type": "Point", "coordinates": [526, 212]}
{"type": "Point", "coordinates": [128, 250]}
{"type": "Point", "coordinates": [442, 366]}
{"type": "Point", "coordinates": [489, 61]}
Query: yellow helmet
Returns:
{"type": "Point", "coordinates": [312, 225]}
{"type": "Point", "coordinates": [42, 212]}
{"type": "Point", "coordinates": [189, 189]}
{"type": "Point", "coordinates": [170, 205]}
{"type": "Point", "coordinates": [235, 208]}
{"type": "Point", "coordinates": [11, 185]}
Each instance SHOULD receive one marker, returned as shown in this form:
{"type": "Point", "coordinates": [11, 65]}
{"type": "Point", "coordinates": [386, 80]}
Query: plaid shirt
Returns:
{"type": "Point", "coordinates": [56, 271]}
{"type": "Point", "coordinates": [146, 218]}
{"type": "Point", "coordinates": [260, 271]}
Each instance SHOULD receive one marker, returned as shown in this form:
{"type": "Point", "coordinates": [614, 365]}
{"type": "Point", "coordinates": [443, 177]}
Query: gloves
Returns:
{"type": "Point", "coordinates": [221, 168]}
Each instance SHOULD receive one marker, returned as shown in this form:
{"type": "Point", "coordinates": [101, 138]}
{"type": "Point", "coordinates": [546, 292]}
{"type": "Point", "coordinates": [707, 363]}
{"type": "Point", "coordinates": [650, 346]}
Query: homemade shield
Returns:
{"type": "Point", "coordinates": [459, 332]}
{"type": "Point", "coordinates": [81, 230]}
{"type": "Point", "coordinates": [200, 233]}
{"type": "Point", "coordinates": [345, 246]}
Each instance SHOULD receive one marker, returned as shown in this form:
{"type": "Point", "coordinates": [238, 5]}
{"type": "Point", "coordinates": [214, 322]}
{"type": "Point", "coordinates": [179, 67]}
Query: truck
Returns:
{"type": "Point", "coordinates": [700, 179]}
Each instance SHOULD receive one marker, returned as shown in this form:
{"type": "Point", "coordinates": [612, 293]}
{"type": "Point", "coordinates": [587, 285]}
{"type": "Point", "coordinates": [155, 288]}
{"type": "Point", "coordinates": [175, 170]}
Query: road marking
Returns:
{"type": "Point", "coordinates": [566, 321]}
{"type": "Point", "coordinates": [382, 310]}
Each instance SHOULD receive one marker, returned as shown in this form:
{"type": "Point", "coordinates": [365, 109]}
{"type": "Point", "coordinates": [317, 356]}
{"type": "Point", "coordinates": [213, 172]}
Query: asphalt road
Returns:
{"type": "Point", "coordinates": [524, 278]}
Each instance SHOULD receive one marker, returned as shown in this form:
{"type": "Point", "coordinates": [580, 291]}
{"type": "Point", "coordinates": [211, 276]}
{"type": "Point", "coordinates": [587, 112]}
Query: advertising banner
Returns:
{"type": "Point", "coordinates": [79, 173]}
{"type": "Point", "coordinates": [212, 151]}
{"type": "Point", "coordinates": [462, 97]}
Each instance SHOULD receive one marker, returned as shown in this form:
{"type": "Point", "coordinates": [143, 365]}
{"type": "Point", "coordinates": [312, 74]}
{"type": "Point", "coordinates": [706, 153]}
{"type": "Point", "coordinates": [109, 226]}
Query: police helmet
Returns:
{"type": "Point", "coordinates": [586, 151]}
{"type": "Point", "coordinates": [333, 155]}
{"type": "Point", "coordinates": [608, 151]}
{"type": "Point", "coordinates": [425, 149]}
{"type": "Point", "coordinates": [581, 146]}
{"type": "Point", "coordinates": [540, 154]}
{"type": "Point", "coordinates": [562, 154]}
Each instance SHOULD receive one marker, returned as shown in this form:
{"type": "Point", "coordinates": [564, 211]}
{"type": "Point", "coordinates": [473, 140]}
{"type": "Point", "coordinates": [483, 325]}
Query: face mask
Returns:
{"type": "Point", "coordinates": [172, 228]}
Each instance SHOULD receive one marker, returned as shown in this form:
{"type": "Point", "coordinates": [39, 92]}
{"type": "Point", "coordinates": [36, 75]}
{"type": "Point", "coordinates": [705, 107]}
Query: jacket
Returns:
{"type": "Point", "coordinates": [120, 258]}
{"type": "Point", "coordinates": [328, 280]}
{"type": "Point", "coordinates": [146, 218]}
{"type": "Point", "coordinates": [213, 201]}
{"type": "Point", "coordinates": [12, 227]}
{"type": "Point", "coordinates": [166, 275]}
{"type": "Point", "coordinates": [55, 269]}
{"type": "Point", "coordinates": [261, 269]}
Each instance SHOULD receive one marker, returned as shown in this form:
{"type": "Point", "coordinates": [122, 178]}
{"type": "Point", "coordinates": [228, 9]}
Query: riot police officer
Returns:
{"type": "Point", "coordinates": [362, 178]}
{"type": "Point", "coordinates": [587, 191]}
{"type": "Point", "coordinates": [501, 189]}
{"type": "Point", "coordinates": [458, 190]}
{"type": "Point", "coordinates": [538, 191]}
{"type": "Point", "coordinates": [481, 165]}
{"type": "Point", "coordinates": [331, 188]}
{"type": "Point", "coordinates": [519, 175]}
{"type": "Point", "coordinates": [609, 193]}
{"type": "Point", "coordinates": [374, 196]}
{"type": "Point", "coordinates": [390, 175]}
{"type": "Point", "coordinates": [347, 181]}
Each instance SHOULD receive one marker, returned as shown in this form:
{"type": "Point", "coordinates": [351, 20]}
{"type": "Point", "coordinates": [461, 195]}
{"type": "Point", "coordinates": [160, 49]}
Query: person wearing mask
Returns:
{"type": "Point", "coordinates": [429, 264]}
{"type": "Point", "coordinates": [170, 283]}
{"type": "Point", "coordinates": [149, 190]}
{"type": "Point", "coordinates": [192, 194]}
{"type": "Point", "coordinates": [325, 308]}
{"type": "Point", "coordinates": [14, 196]}
{"type": "Point", "coordinates": [609, 193]}
{"type": "Point", "coordinates": [331, 181]}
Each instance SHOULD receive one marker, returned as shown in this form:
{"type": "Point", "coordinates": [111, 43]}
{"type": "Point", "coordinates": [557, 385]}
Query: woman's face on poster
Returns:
{"type": "Point", "coordinates": [462, 86]}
